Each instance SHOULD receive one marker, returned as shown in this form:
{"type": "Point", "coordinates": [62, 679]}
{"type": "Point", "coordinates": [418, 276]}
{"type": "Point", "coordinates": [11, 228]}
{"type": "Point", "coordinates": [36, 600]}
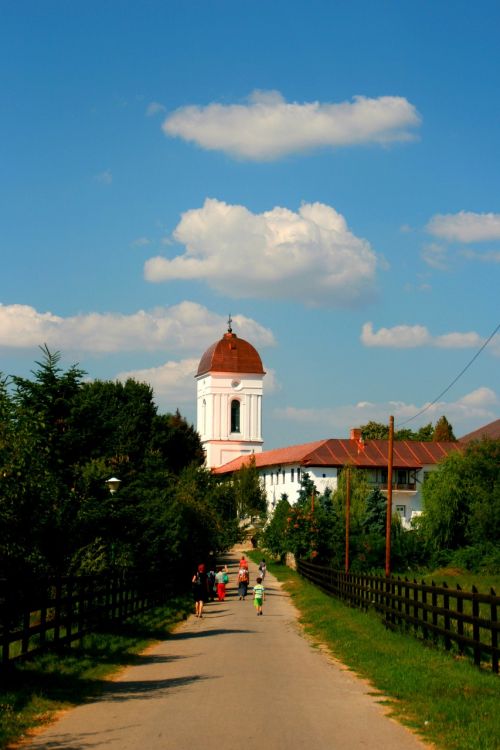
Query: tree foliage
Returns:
{"type": "Point", "coordinates": [380, 431]}
{"type": "Point", "coordinates": [61, 438]}
{"type": "Point", "coordinates": [462, 498]}
{"type": "Point", "coordinates": [443, 431]}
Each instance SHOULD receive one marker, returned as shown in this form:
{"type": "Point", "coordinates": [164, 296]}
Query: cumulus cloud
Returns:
{"type": "Point", "coordinates": [267, 127]}
{"type": "Point", "coordinates": [465, 226]}
{"type": "Point", "coordinates": [411, 337]}
{"type": "Point", "coordinates": [465, 414]}
{"type": "Point", "coordinates": [183, 327]}
{"type": "Point", "coordinates": [309, 256]}
{"type": "Point", "coordinates": [492, 256]}
{"type": "Point", "coordinates": [155, 108]}
{"type": "Point", "coordinates": [141, 242]}
{"type": "Point", "coordinates": [173, 382]}
{"type": "Point", "coordinates": [435, 256]}
{"type": "Point", "coordinates": [105, 178]}
{"type": "Point", "coordinates": [398, 337]}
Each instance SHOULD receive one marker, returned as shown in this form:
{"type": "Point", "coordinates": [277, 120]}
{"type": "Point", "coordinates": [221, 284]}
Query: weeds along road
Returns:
{"type": "Point", "coordinates": [232, 680]}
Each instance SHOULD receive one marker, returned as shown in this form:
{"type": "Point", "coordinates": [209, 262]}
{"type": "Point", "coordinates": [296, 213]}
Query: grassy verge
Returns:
{"type": "Point", "coordinates": [446, 700]}
{"type": "Point", "coordinates": [32, 691]}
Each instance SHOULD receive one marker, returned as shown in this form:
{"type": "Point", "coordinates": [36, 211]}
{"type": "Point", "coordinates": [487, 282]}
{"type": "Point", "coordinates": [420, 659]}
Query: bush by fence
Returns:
{"type": "Point", "coordinates": [52, 613]}
{"type": "Point", "coordinates": [451, 616]}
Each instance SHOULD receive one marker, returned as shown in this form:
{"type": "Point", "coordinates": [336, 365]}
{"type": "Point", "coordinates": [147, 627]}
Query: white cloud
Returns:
{"type": "Point", "coordinates": [187, 326]}
{"type": "Point", "coordinates": [465, 226]}
{"type": "Point", "coordinates": [398, 337]}
{"type": "Point", "coordinates": [435, 256]}
{"type": "Point", "coordinates": [173, 382]}
{"type": "Point", "coordinates": [155, 108]}
{"type": "Point", "coordinates": [492, 256]}
{"type": "Point", "coordinates": [465, 414]}
{"type": "Point", "coordinates": [309, 256]}
{"type": "Point", "coordinates": [106, 177]}
{"type": "Point", "coordinates": [411, 337]}
{"type": "Point", "coordinates": [141, 242]}
{"type": "Point", "coordinates": [267, 127]}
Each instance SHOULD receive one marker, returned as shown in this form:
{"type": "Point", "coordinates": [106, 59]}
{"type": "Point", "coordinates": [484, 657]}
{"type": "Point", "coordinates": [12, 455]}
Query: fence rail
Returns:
{"type": "Point", "coordinates": [469, 620]}
{"type": "Point", "coordinates": [52, 613]}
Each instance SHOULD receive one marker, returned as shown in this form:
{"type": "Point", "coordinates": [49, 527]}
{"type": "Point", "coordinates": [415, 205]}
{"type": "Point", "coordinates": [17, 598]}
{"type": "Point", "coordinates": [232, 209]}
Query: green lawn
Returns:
{"type": "Point", "coordinates": [444, 698]}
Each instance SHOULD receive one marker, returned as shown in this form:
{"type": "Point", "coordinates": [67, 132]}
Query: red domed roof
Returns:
{"type": "Point", "coordinates": [231, 354]}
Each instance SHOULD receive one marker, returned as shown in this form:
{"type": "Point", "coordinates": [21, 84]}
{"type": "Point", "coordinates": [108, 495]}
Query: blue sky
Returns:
{"type": "Point", "coordinates": [326, 172]}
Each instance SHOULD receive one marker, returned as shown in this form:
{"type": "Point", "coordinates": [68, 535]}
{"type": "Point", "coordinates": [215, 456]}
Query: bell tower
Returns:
{"type": "Point", "coordinates": [229, 399]}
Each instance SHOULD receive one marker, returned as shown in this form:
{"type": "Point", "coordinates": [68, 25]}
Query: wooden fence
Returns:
{"type": "Point", "coordinates": [53, 613]}
{"type": "Point", "coordinates": [468, 620]}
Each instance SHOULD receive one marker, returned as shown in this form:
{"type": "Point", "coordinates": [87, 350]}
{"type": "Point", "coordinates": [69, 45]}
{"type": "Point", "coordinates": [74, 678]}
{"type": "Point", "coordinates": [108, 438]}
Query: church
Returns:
{"type": "Point", "coordinates": [230, 384]}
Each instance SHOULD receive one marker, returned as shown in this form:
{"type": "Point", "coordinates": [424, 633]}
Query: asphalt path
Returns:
{"type": "Point", "coordinates": [232, 680]}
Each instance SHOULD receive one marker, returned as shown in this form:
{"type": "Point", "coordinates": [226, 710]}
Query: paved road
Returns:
{"type": "Point", "coordinates": [232, 680]}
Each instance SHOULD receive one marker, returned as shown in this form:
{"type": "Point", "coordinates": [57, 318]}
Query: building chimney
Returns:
{"type": "Point", "coordinates": [355, 433]}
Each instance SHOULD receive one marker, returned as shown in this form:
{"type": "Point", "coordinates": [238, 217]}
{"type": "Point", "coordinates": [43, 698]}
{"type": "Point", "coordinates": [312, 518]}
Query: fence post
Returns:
{"type": "Point", "coordinates": [43, 613]}
{"type": "Point", "coordinates": [446, 606]}
{"type": "Point", "coordinates": [494, 632]}
{"type": "Point", "coordinates": [57, 612]}
{"type": "Point", "coordinates": [460, 620]}
{"type": "Point", "coordinates": [5, 619]}
{"type": "Point", "coordinates": [434, 607]}
{"type": "Point", "coordinates": [415, 606]}
{"type": "Point", "coordinates": [424, 610]}
{"type": "Point", "coordinates": [475, 627]}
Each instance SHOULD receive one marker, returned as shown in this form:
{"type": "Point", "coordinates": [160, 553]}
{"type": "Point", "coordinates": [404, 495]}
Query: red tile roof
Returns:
{"type": "Point", "coordinates": [491, 430]}
{"type": "Point", "coordinates": [231, 354]}
{"type": "Point", "coordinates": [334, 452]}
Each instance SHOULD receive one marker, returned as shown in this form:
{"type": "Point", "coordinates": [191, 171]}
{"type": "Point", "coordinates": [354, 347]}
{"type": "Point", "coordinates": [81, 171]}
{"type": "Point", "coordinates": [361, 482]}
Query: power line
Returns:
{"type": "Point", "coordinates": [476, 355]}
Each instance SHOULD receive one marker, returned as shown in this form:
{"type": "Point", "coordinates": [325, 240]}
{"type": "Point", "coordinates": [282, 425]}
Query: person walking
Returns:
{"type": "Point", "coordinates": [243, 581]}
{"type": "Point", "coordinates": [259, 594]}
{"type": "Point", "coordinates": [200, 589]}
{"type": "Point", "coordinates": [262, 568]}
{"type": "Point", "coordinates": [221, 578]}
{"type": "Point", "coordinates": [211, 583]}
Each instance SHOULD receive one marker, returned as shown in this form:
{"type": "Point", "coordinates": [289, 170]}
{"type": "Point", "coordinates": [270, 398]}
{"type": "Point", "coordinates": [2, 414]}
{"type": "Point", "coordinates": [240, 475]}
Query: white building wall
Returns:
{"type": "Point", "coordinates": [278, 481]}
{"type": "Point", "coordinates": [215, 392]}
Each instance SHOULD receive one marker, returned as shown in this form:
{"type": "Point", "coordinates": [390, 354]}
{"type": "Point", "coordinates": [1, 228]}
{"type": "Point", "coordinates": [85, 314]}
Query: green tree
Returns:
{"type": "Point", "coordinates": [462, 498]}
{"type": "Point", "coordinates": [443, 431]}
{"type": "Point", "coordinates": [250, 495]}
{"type": "Point", "coordinates": [176, 441]}
{"type": "Point", "coordinates": [375, 513]}
{"type": "Point", "coordinates": [275, 533]}
{"type": "Point", "coordinates": [374, 431]}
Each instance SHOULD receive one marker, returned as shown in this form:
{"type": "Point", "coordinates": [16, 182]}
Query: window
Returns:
{"type": "Point", "coordinates": [401, 509]}
{"type": "Point", "coordinates": [298, 475]}
{"type": "Point", "coordinates": [235, 416]}
{"type": "Point", "coordinates": [292, 475]}
{"type": "Point", "coordinates": [283, 480]}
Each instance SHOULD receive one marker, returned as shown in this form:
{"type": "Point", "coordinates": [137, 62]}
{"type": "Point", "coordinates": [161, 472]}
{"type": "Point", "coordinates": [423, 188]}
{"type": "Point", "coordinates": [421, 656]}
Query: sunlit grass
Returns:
{"type": "Point", "coordinates": [445, 699]}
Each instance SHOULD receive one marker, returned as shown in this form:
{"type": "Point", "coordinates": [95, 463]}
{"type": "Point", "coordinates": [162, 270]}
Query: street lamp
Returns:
{"type": "Point", "coordinates": [113, 484]}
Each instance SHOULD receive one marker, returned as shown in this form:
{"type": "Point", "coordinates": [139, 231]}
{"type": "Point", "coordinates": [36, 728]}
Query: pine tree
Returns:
{"type": "Point", "coordinates": [443, 431]}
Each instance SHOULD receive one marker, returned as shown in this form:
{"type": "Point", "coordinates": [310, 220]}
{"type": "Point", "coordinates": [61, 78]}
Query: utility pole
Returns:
{"type": "Point", "coordinates": [388, 522]}
{"type": "Point", "coordinates": [347, 517]}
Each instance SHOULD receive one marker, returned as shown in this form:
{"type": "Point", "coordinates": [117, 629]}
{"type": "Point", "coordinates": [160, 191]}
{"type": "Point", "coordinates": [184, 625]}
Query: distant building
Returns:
{"type": "Point", "coordinates": [491, 430]}
{"type": "Point", "coordinates": [229, 420]}
{"type": "Point", "coordinates": [281, 470]}
{"type": "Point", "coordinates": [229, 399]}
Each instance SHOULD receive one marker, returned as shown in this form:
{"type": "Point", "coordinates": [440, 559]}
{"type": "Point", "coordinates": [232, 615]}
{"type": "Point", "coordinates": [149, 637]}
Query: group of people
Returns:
{"type": "Point", "coordinates": [211, 584]}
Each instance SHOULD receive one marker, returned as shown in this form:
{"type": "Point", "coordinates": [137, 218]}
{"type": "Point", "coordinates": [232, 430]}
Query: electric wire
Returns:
{"type": "Point", "coordinates": [476, 355]}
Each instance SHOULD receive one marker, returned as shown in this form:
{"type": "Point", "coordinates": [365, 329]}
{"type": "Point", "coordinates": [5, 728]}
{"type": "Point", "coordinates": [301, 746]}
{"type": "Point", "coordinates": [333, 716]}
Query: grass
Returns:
{"type": "Point", "coordinates": [446, 700]}
{"type": "Point", "coordinates": [31, 691]}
